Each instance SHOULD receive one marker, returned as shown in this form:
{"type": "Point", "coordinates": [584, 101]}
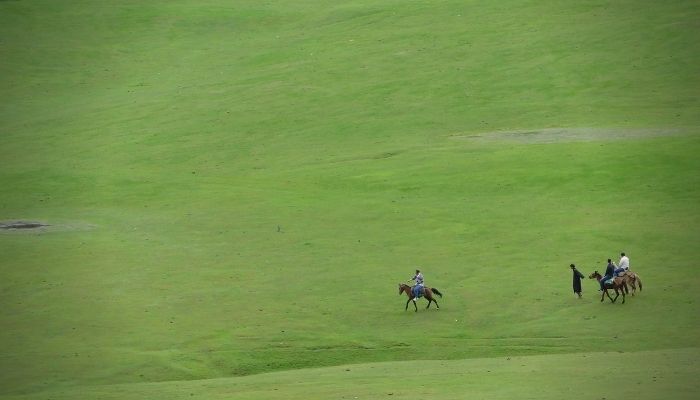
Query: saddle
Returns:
{"type": "Point", "coordinates": [613, 281]}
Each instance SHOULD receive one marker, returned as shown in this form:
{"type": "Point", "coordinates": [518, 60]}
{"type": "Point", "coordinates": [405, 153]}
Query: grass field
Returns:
{"type": "Point", "coordinates": [235, 189]}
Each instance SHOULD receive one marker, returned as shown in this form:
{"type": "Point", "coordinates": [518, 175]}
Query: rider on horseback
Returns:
{"type": "Point", "coordinates": [624, 264]}
{"type": "Point", "coordinates": [609, 274]}
{"type": "Point", "coordinates": [418, 289]}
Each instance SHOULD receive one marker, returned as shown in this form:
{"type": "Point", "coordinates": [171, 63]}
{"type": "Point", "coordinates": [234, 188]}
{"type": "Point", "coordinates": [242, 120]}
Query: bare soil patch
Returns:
{"type": "Point", "coordinates": [21, 225]}
{"type": "Point", "coordinates": [559, 135]}
{"type": "Point", "coordinates": [24, 226]}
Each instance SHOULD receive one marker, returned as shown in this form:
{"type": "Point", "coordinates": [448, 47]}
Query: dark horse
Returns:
{"type": "Point", "coordinates": [427, 293]}
{"type": "Point", "coordinates": [618, 284]}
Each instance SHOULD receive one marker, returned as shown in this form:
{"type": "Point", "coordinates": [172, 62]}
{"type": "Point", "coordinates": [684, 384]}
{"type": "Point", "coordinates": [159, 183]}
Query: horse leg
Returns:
{"type": "Point", "coordinates": [414, 303]}
{"type": "Point", "coordinates": [429, 301]}
{"type": "Point", "coordinates": [436, 304]}
{"type": "Point", "coordinates": [617, 294]}
{"type": "Point", "coordinates": [608, 293]}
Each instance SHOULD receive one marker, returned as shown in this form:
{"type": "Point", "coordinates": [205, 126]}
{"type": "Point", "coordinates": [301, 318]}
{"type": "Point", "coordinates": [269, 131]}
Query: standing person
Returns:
{"type": "Point", "coordinates": [609, 273]}
{"type": "Point", "coordinates": [577, 280]}
{"type": "Point", "coordinates": [418, 289]}
{"type": "Point", "coordinates": [624, 264]}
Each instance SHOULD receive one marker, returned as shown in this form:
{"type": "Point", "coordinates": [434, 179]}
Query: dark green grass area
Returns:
{"type": "Point", "coordinates": [237, 188]}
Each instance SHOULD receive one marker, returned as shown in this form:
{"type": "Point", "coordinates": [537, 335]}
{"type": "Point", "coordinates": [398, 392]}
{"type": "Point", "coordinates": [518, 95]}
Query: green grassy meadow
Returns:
{"type": "Point", "coordinates": [235, 189]}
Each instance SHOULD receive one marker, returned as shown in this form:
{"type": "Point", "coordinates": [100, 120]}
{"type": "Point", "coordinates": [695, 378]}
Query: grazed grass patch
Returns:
{"type": "Point", "coordinates": [563, 135]}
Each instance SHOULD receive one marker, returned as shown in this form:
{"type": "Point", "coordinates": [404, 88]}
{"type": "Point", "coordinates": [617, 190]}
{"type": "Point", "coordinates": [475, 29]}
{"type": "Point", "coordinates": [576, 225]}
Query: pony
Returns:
{"type": "Point", "coordinates": [633, 279]}
{"type": "Point", "coordinates": [618, 284]}
{"type": "Point", "coordinates": [427, 293]}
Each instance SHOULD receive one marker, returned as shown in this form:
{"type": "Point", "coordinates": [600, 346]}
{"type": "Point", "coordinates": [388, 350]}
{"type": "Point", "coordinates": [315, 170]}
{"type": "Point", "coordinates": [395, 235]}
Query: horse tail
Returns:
{"type": "Point", "coordinates": [640, 283]}
{"type": "Point", "coordinates": [437, 292]}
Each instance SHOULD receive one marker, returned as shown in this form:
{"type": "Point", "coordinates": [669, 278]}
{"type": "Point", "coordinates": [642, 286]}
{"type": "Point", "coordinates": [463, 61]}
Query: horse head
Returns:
{"type": "Point", "coordinates": [594, 275]}
{"type": "Point", "coordinates": [402, 287]}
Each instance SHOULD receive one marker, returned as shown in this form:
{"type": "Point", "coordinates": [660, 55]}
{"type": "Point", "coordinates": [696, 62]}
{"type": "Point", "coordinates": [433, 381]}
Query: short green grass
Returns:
{"type": "Point", "coordinates": [260, 176]}
{"type": "Point", "coordinates": [638, 375]}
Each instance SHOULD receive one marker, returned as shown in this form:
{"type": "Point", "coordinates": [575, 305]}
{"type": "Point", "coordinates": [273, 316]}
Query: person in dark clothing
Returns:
{"type": "Point", "coordinates": [577, 280]}
{"type": "Point", "coordinates": [609, 273]}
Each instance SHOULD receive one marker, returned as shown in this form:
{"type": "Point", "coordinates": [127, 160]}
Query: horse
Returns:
{"type": "Point", "coordinates": [427, 293]}
{"type": "Point", "coordinates": [632, 279]}
{"type": "Point", "coordinates": [618, 284]}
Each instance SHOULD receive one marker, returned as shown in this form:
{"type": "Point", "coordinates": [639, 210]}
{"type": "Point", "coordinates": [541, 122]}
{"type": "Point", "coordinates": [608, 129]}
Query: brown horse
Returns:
{"type": "Point", "coordinates": [618, 284]}
{"type": "Point", "coordinates": [427, 293]}
{"type": "Point", "coordinates": [633, 279]}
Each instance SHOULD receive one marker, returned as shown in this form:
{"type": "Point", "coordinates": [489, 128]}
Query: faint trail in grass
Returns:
{"type": "Point", "coordinates": [564, 135]}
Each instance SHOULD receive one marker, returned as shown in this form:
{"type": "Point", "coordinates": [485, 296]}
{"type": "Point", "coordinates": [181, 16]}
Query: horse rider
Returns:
{"type": "Point", "coordinates": [624, 264]}
{"type": "Point", "coordinates": [609, 274]}
{"type": "Point", "coordinates": [418, 288]}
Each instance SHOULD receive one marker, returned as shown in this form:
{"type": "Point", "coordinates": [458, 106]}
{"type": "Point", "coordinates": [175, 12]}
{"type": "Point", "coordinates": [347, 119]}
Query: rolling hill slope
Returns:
{"type": "Point", "coordinates": [236, 188]}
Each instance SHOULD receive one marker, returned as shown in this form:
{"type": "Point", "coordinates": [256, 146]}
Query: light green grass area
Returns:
{"type": "Point", "coordinates": [236, 188]}
{"type": "Point", "coordinates": [647, 375]}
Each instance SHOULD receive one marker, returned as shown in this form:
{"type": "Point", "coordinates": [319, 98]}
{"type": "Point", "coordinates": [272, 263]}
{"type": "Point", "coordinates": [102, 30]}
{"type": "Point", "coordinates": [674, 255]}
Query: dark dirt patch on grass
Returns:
{"type": "Point", "coordinates": [21, 225]}
{"type": "Point", "coordinates": [25, 226]}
